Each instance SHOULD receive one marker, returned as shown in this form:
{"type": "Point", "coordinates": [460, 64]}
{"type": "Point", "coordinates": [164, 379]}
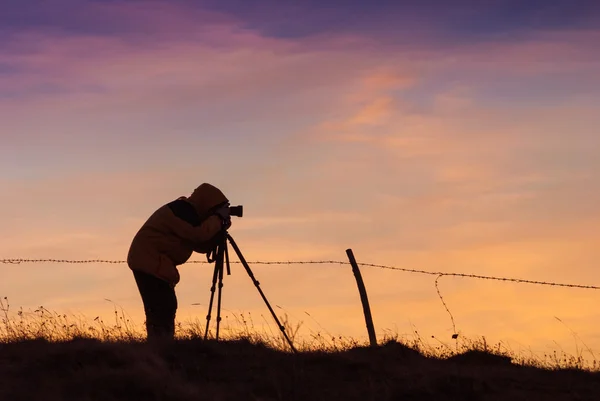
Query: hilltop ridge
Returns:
{"type": "Point", "coordinates": [193, 369]}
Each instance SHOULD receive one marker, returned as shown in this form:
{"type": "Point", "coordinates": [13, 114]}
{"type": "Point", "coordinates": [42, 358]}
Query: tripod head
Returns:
{"type": "Point", "coordinates": [219, 242]}
{"type": "Point", "coordinates": [220, 251]}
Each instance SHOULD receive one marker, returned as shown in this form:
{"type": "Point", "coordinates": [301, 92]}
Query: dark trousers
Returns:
{"type": "Point", "coordinates": [160, 305]}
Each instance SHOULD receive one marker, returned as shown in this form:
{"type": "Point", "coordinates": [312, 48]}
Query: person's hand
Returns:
{"type": "Point", "coordinates": [226, 224]}
{"type": "Point", "coordinates": [223, 213]}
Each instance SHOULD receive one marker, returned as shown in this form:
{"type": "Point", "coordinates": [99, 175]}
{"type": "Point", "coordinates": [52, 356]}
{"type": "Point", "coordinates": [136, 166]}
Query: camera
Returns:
{"type": "Point", "coordinates": [237, 211]}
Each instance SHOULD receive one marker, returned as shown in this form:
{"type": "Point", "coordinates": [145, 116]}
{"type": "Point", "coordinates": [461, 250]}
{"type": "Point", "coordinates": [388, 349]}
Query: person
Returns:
{"type": "Point", "coordinates": [166, 240]}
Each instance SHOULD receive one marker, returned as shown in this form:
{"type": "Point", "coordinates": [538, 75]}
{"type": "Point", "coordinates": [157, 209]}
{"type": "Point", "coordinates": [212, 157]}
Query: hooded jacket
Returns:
{"type": "Point", "coordinates": [174, 231]}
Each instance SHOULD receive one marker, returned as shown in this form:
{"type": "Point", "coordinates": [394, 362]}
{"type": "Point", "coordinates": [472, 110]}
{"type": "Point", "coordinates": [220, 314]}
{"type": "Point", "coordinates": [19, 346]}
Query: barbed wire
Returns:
{"type": "Point", "coordinates": [338, 262]}
{"type": "Point", "coordinates": [17, 261]}
{"type": "Point", "coordinates": [482, 277]}
{"type": "Point", "coordinates": [256, 262]}
{"type": "Point", "coordinates": [444, 303]}
{"type": "Point", "coordinates": [309, 262]}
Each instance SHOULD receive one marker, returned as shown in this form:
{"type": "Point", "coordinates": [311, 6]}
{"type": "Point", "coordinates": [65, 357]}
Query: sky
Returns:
{"type": "Point", "coordinates": [441, 136]}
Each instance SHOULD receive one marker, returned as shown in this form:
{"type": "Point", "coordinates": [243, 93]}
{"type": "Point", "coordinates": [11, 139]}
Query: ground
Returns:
{"type": "Point", "coordinates": [193, 369]}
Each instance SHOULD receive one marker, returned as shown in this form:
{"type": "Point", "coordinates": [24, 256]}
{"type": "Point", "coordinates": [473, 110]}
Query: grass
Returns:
{"type": "Point", "coordinates": [45, 355]}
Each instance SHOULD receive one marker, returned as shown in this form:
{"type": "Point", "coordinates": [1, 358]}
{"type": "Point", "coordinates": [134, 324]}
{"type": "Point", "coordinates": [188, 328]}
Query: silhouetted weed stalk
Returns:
{"type": "Point", "coordinates": [43, 324]}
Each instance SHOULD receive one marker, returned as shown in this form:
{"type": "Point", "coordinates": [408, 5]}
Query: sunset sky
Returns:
{"type": "Point", "coordinates": [444, 136]}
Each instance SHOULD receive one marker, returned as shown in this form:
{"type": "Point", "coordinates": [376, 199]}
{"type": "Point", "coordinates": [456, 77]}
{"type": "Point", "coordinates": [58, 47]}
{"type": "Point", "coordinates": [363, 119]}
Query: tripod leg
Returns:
{"type": "Point", "coordinates": [257, 284]}
{"type": "Point", "coordinates": [217, 273]}
{"type": "Point", "coordinates": [220, 288]}
{"type": "Point", "coordinates": [212, 295]}
{"type": "Point", "coordinates": [227, 257]}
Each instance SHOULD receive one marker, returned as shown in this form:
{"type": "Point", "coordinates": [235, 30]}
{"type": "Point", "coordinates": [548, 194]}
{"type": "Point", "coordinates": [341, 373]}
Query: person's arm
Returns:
{"type": "Point", "coordinates": [192, 234]}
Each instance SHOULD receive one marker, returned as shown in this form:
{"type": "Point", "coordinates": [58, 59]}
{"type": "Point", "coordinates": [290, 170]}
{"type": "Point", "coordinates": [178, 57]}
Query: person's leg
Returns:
{"type": "Point", "coordinates": [160, 305]}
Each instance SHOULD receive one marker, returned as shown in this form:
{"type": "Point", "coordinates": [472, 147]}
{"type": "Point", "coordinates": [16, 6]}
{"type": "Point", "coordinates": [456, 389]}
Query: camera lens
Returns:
{"type": "Point", "coordinates": [236, 210]}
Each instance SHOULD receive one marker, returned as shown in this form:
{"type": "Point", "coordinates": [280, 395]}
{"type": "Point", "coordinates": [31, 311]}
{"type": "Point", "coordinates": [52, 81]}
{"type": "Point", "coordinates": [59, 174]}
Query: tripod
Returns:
{"type": "Point", "coordinates": [221, 261]}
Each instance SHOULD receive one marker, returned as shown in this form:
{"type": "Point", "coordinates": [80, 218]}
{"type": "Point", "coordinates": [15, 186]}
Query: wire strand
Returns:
{"type": "Point", "coordinates": [338, 262]}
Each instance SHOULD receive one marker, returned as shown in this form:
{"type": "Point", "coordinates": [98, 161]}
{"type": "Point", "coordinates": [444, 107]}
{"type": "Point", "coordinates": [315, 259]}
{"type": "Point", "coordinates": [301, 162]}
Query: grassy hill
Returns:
{"type": "Point", "coordinates": [193, 369]}
{"type": "Point", "coordinates": [53, 357]}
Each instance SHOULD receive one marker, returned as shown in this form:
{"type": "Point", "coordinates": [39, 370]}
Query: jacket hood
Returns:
{"type": "Point", "coordinates": [206, 197]}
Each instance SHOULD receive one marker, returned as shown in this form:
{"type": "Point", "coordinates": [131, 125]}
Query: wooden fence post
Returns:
{"type": "Point", "coordinates": [363, 298]}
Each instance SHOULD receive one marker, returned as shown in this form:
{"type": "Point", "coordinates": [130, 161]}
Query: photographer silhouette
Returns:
{"type": "Point", "coordinates": [166, 240]}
